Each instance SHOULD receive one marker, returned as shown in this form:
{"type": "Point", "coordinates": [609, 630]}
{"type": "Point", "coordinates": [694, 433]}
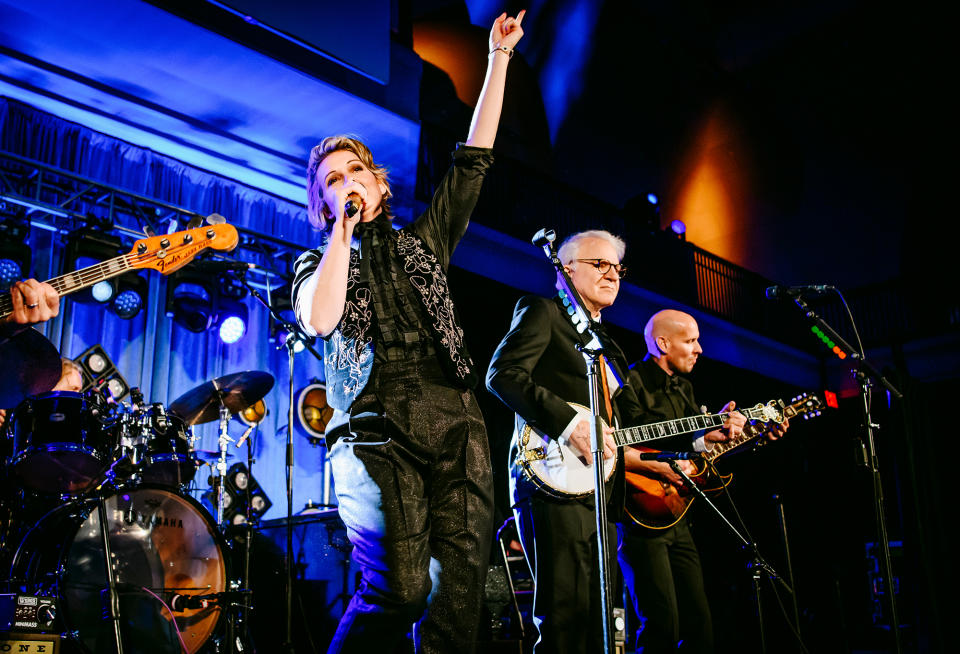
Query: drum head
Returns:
{"type": "Point", "coordinates": [162, 545]}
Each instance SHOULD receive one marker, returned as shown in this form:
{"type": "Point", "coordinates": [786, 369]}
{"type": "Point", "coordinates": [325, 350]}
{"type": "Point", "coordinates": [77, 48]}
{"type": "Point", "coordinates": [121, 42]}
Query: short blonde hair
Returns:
{"type": "Point", "coordinates": [317, 211]}
{"type": "Point", "coordinates": [571, 246]}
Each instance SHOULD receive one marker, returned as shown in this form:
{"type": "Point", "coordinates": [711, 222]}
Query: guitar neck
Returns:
{"type": "Point", "coordinates": [655, 430]}
{"type": "Point", "coordinates": [77, 280]}
{"type": "Point", "coordinates": [678, 426]}
{"type": "Point", "coordinates": [750, 432]}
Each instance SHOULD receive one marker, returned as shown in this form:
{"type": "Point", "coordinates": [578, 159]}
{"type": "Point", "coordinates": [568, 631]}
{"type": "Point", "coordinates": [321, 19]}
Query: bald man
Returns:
{"type": "Point", "coordinates": [662, 567]}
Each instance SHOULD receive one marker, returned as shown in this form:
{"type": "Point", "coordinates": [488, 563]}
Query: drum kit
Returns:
{"type": "Point", "coordinates": [88, 481]}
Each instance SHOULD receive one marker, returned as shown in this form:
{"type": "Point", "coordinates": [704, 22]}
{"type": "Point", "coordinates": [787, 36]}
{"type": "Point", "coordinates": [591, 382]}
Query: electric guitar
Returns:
{"type": "Point", "coordinates": [560, 471]}
{"type": "Point", "coordinates": [656, 504]}
{"type": "Point", "coordinates": [161, 253]}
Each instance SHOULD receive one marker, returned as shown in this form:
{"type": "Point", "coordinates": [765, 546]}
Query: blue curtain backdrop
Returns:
{"type": "Point", "coordinates": [151, 351]}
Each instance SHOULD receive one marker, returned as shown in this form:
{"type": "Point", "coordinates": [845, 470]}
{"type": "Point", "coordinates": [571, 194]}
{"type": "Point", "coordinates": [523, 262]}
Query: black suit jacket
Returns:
{"type": "Point", "coordinates": [664, 397]}
{"type": "Point", "coordinates": [537, 369]}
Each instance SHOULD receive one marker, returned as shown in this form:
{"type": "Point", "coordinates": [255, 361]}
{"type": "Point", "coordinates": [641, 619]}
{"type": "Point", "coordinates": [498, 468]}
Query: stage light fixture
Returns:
{"type": "Point", "coordinates": [87, 247]}
{"type": "Point", "coordinates": [652, 198]}
{"type": "Point", "coordinates": [235, 484]}
{"type": "Point", "coordinates": [191, 299]}
{"type": "Point", "coordinates": [254, 414]}
{"type": "Point", "coordinates": [679, 229]}
{"type": "Point", "coordinates": [15, 255]}
{"type": "Point", "coordinates": [99, 372]}
{"type": "Point", "coordinates": [313, 411]}
{"type": "Point", "coordinates": [232, 318]}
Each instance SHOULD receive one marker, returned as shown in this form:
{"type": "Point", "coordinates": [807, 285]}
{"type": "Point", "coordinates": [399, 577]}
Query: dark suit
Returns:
{"type": "Point", "coordinates": [662, 567]}
{"type": "Point", "coordinates": [536, 370]}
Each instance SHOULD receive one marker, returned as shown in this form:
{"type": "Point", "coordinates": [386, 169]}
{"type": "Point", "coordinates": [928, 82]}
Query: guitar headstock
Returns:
{"type": "Point", "coordinates": [769, 412]}
{"type": "Point", "coordinates": [808, 405]}
{"type": "Point", "coordinates": [171, 252]}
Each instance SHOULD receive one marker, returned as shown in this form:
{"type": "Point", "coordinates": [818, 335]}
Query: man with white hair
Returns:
{"type": "Point", "coordinates": [536, 371]}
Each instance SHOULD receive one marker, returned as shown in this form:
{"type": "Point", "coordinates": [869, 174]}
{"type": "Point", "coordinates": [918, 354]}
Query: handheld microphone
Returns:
{"type": "Point", "coordinates": [777, 292]}
{"type": "Point", "coordinates": [668, 456]}
{"type": "Point", "coordinates": [352, 205]}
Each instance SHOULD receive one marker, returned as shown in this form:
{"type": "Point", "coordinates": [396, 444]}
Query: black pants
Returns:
{"type": "Point", "coordinates": [662, 571]}
{"type": "Point", "coordinates": [414, 485]}
{"type": "Point", "coordinates": [560, 540]}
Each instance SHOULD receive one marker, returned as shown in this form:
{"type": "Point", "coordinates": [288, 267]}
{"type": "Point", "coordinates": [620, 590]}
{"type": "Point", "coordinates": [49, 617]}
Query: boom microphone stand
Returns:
{"type": "Point", "coordinates": [294, 335]}
{"type": "Point", "coordinates": [585, 328]}
{"type": "Point", "coordinates": [863, 373]}
{"type": "Point", "coordinates": [758, 565]}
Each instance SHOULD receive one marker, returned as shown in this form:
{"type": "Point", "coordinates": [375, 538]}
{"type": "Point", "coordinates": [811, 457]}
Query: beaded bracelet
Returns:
{"type": "Point", "coordinates": [504, 48]}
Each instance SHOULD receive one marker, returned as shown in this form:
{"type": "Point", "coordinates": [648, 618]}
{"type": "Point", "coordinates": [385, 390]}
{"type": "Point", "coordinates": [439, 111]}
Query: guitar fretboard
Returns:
{"type": "Point", "coordinates": [655, 430]}
{"type": "Point", "coordinates": [634, 435]}
{"type": "Point", "coordinates": [78, 279]}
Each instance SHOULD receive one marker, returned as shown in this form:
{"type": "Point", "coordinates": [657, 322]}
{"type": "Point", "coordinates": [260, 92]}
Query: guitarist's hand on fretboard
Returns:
{"type": "Point", "coordinates": [32, 302]}
{"type": "Point", "coordinates": [732, 426]}
{"type": "Point", "coordinates": [777, 430]}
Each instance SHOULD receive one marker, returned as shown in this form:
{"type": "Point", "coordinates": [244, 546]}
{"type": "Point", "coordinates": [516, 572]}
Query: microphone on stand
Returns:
{"type": "Point", "coordinates": [778, 292]}
{"type": "Point", "coordinates": [215, 266]}
{"type": "Point", "coordinates": [544, 237]}
{"type": "Point", "coordinates": [668, 456]}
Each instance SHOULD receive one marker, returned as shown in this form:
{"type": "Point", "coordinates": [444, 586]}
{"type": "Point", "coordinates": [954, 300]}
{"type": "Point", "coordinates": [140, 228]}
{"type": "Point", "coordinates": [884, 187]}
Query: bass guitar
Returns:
{"type": "Point", "coordinates": [656, 504]}
{"type": "Point", "coordinates": [164, 254]}
{"type": "Point", "coordinates": [560, 471]}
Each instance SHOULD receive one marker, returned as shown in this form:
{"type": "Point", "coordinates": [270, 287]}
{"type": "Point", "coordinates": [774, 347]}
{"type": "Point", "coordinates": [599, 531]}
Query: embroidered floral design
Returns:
{"type": "Point", "coordinates": [351, 343]}
{"type": "Point", "coordinates": [427, 277]}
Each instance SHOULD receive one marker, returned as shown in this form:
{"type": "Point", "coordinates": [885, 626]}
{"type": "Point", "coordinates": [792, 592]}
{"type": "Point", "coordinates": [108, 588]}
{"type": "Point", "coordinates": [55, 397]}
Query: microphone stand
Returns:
{"type": "Point", "coordinates": [757, 564]}
{"type": "Point", "coordinates": [584, 326]}
{"type": "Point", "coordinates": [294, 335]}
{"type": "Point", "coordinates": [863, 374]}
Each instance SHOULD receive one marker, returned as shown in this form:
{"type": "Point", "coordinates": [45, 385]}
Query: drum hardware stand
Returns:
{"type": "Point", "coordinates": [584, 324]}
{"type": "Point", "coordinates": [113, 599]}
{"type": "Point", "coordinates": [222, 442]}
{"type": "Point", "coordinates": [294, 335]}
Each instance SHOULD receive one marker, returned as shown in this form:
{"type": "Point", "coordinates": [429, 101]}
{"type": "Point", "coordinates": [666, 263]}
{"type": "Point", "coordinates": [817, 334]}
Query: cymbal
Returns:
{"type": "Point", "coordinates": [236, 392]}
{"type": "Point", "coordinates": [210, 456]}
{"type": "Point", "coordinates": [31, 365]}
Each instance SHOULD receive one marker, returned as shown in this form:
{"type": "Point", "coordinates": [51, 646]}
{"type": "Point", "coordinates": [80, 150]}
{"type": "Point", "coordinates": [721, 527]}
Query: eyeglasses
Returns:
{"type": "Point", "coordinates": [603, 266]}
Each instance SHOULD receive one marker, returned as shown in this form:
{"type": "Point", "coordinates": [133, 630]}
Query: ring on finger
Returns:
{"type": "Point", "coordinates": [33, 306]}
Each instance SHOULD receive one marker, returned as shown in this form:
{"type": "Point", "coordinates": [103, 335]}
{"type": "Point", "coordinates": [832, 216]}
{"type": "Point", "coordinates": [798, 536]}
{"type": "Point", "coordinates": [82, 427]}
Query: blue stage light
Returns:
{"type": "Point", "coordinates": [103, 291]}
{"type": "Point", "coordinates": [127, 304]}
{"type": "Point", "coordinates": [232, 329]}
{"type": "Point", "coordinates": [652, 198]}
{"type": "Point", "coordinates": [679, 228]}
{"type": "Point", "coordinates": [9, 273]}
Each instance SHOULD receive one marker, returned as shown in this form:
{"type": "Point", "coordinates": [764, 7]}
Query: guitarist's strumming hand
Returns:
{"type": "Point", "coordinates": [579, 440]}
{"type": "Point", "coordinates": [732, 426]}
{"type": "Point", "coordinates": [657, 469]}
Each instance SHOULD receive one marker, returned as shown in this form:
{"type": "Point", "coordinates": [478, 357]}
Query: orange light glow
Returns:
{"type": "Point", "coordinates": [713, 192]}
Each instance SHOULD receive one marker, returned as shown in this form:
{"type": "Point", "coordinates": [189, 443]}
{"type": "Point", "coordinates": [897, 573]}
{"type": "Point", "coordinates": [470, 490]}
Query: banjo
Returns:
{"type": "Point", "coordinates": [559, 470]}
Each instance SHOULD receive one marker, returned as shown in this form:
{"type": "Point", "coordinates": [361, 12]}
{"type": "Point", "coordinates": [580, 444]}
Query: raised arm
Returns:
{"type": "Point", "coordinates": [504, 35]}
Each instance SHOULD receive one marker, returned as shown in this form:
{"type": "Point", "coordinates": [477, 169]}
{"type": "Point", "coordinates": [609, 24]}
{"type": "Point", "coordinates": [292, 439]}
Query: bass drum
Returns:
{"type": "Point", "coordinates": [162, 544]}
